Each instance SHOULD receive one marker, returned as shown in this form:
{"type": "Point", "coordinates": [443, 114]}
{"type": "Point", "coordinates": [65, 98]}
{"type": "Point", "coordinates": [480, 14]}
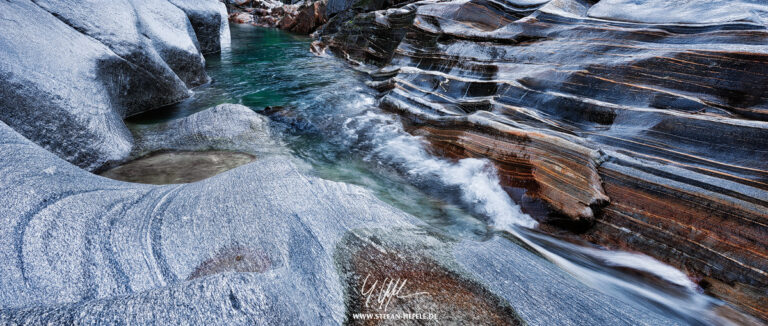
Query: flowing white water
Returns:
{"type": "Point", "coordinates": [474, 181]}
{"type": "Point", "coordinates": [474, 184]}
{"type": "Point", "coordinates": [332, 121]}
{"type": "Point", "coordinates": [677, 294]}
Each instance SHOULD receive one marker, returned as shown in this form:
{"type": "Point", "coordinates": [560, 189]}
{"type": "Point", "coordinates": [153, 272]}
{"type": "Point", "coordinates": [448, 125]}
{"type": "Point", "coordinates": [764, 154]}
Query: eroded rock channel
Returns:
{"type": "Point", "coordinates": [450, 162]}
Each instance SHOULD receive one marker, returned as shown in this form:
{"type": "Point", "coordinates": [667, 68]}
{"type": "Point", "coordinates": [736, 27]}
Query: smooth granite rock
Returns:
{"type": "Point", "coordinates": [174, 36]}
{"type": "Point", "coordinates": [682, 12]}
{"type": "Point", "coordinates": [229, 127]}
{"type": "Point", "coordinates": [58, 90]}
{"type": "Point", "coordinates": [650, 135]}
{"type": "Point", "coordinates": [197, 146]}
{"type": "Point", "coordinates": [261, 244]}
{"type": "Point", "coordinates": [71, 70]}
{"type": "Point", "coordinates": [117, 25]}
{"type": "Point", "coordinates": [210, 21]}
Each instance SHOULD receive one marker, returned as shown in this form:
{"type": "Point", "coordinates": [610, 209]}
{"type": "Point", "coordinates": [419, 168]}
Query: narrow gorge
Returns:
{"type": "Point", "coordinates": [459, 162]}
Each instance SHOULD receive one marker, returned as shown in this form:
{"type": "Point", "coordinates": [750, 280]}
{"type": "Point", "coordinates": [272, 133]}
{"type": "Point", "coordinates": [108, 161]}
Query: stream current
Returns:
{"type": "Point", "coordinates": [322, 110]}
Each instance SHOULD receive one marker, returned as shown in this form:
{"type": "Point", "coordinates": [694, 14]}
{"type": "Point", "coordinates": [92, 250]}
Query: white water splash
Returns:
{"type": "Point", "coordinates": [474, 181]}
{"type": "Point", "coordinates": [685, 301]}
{"type": "Point", "coordinates": [642, 263]}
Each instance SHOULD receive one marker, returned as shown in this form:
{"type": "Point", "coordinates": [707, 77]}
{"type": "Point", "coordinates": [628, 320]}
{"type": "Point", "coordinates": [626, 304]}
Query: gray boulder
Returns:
{"type": "Point", "coordinates": [230, 127]}
{"type": "Point", "coordinates": [70, 71]}
{"type": "Point", "coordinates": [118, 25]}
{"type": "Point", "coordinates": [210, 20]}
{"type": "Point", "coordinates": [198, 146]}
{"type": "Point", "coordinates": [174, 37]}
{"type": "Point", "coordinates": [59, 90]}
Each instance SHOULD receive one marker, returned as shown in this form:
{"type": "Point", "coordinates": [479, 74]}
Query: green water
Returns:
{"type": "Point", "coordinates": [334, 129]}
{"type": "Point", "coordinates": [269, 67]}
{"type": "Point", "coordinates": [264, 67]}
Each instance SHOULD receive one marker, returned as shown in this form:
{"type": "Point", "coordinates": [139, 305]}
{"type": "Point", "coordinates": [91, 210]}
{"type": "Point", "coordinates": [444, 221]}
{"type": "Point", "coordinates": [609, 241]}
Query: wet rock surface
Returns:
{"type": "Point", "coordinates": [177, 167]}
{"type": "Point", "coordinates": [647, 127]}
{"type": "Point", "coordinates": [247, 246]}
{"type": "Point", "coordinates": [70, 72]}
{"type": "Point", "coordinates": [227, 127]}
{"type": "Point", "coordinates": [197, 147]}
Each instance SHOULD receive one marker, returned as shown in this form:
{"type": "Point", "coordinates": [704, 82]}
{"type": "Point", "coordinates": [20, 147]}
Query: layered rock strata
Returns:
{"type": "Point", "coordinates": [623, 116]}
{"type": "Point", "coordinates": [70, 72]}
{"type": "Point", "coordinates": [301, 18]}
{"type": "Point", "coordinates": [248, 246]}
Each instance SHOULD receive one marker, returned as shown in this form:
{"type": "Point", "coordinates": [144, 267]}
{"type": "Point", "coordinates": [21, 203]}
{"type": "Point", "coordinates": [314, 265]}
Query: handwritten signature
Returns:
{"type": "Point", "coordinates": [382, 293]}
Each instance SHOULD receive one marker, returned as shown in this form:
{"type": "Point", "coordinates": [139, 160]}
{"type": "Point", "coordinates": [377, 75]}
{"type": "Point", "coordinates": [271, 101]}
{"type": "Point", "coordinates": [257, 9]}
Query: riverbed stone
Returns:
{"type": "Point", "coordinates": [228, 127]}
{"type": "Point", "coordinates": [254, 245]}
{"type": "Point", "coordinates": [197, 146]}
{"type": "Point", "coordinates": [175, 38]}
{"type": "Point", "coordinates": [125, 32]}
{"type": "Point", "coordinates": [210, 21]}
{"type": "Point", "coordinates": [59, 90]}
{"type": "Point", "coordinates": [641, 122]}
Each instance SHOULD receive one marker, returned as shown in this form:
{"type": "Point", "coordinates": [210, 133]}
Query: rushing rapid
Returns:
{"type": "Point", "coordinates": [329, 118]}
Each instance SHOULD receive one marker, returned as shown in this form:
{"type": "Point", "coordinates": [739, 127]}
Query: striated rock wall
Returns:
{"type": "Point", "coordinates": [71, 70]}
{"type": "Point", "coordinates": [248, 247]}
{"type": "Point", "coordinates": [654, 131]}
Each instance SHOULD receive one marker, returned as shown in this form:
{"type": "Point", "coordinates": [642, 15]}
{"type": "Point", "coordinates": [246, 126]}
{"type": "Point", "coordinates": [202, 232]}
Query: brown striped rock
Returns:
{"type": "Point", "coordinates": [647, 120]}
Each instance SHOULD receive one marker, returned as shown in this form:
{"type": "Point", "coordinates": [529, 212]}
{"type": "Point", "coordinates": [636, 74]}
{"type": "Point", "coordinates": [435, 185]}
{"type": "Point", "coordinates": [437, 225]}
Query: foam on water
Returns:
{"type": "Point", "coordinates": [642, 263]}
{"type": "Point", "coordinates": [473, 182]}
{"type": "Point", "coordinates": [340, 127]}
{"type": "Point", "coordinates": [676, 294]}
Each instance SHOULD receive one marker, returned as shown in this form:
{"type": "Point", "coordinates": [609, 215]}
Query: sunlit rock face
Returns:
{"type": "Point", "coordinates": [71, 70]}
{"type": "Point", "coordinates": [261, 244]}
{"type": "Point", "coordinates": [645, 120]}
{"type": "Point", "coordinates": [300, 18]}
